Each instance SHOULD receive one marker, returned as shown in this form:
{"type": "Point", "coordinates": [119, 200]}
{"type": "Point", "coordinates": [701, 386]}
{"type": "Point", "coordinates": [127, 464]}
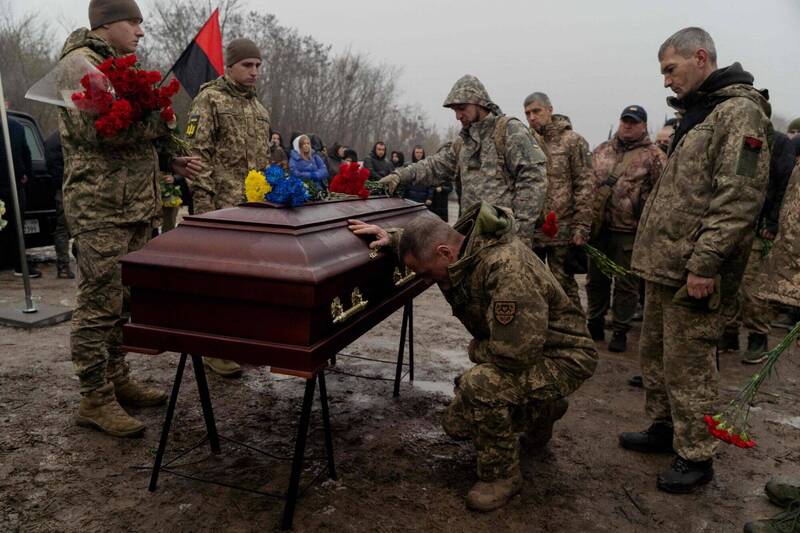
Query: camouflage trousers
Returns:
{"type": "Point", "coordinates": [677, 350]}
{"type": "Point", "coordinates": [102, 304]}
{"type": "Point", "coordinates": [61, 233]}
{"type": "Point", "coordinates": [169, 218]}
{"type": "Point", "coordinates": [493, 406]}
{"type": "Point", "coordinates": [556, 257]}
{"type": "Point", "coordinates": [619, 248]}
{"type": "Point", "coordinates": [748, 310]}
{"type": "Point", "coordinates": [227, 194]}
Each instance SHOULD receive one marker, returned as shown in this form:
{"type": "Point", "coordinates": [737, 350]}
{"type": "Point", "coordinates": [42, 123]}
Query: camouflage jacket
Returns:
{"type": "Point", "coordinates": [569, 182]}
{"type": "Point", "coordinates": [516, 178]}
{"type": "Point", "coordinates": [779, 278]}
{"type": "Point", "coordinates": [509, 301]}
{"type": "Point", "coordinates": [642, 166]}
{"type": "Point", "coordinates": [701, 215]}
{"type": "Point", "coordinates": [229, 130]}
{"type": "Point", "coordinates": [109, 181]}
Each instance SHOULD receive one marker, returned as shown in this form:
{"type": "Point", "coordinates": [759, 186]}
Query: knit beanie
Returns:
{"type": "Point", "coordinates": [239, 49]}
{"type": "Point", "coordinates": [108, 11]}
{"type": "Point", "coordinates": [794, 125]}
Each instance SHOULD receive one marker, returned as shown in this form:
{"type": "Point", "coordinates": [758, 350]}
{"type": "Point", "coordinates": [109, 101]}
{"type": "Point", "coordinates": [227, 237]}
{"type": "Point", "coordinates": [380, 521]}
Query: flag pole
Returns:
{"type": "Point", "coordinates": [26, 280]}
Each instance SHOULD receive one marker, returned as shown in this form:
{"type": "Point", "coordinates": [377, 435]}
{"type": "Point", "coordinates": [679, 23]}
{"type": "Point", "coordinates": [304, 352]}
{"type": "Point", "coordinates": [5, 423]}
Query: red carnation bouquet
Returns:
{"type": "Point", "coordinates": [121, 95]}
{"type": "Point", "coordinates": [350, 180]}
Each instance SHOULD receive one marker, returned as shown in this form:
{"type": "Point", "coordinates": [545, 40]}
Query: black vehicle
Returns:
{"type": "Point", "coordinates": [39, 219]}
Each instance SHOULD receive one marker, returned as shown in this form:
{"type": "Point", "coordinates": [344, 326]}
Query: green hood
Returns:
{"type": "Point", "coordinates": [85, 38]}
{"type": "Point", "coordinates": [484, 226]}
{"type": "Point", "coordinates": [469, 90]}
{"type": "Point", "coordinates": [227, 85]}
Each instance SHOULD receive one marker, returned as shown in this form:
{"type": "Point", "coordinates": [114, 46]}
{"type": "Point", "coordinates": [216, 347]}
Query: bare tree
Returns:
{"type": "Point", "coordinates": [26, 55]}
{"type": "Point", "coordinates": [342, 98]}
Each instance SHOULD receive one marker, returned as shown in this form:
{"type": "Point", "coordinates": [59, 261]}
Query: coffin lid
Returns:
{"type": "Point", "coordinates": [308, 244]}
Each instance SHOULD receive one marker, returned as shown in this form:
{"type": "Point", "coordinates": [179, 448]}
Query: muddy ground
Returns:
{"type": "Point", "coordinates": [397, 469]}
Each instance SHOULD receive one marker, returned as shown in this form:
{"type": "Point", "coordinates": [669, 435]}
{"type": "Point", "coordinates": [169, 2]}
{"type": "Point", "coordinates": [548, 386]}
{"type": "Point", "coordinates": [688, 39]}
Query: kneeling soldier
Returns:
{"type": "Point", "coordinates": [531, 347]}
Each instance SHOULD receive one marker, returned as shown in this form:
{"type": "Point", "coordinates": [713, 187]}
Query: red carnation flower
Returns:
{"type": "Point", "coordinates": [550, 226]}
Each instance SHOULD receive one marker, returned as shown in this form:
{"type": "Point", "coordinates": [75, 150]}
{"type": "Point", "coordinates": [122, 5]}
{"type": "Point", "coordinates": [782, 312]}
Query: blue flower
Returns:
{"type": "Point", "coordinates": [289, 191]}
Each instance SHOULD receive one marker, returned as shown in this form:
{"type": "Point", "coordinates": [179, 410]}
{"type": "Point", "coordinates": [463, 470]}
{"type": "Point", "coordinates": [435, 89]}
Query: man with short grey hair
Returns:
{"type": "Point", "coordinates": [691, 248]}
{"type": "Point", "coordinates": [569, 189]}
{"type": "Point", "coordinates": [530, 346]}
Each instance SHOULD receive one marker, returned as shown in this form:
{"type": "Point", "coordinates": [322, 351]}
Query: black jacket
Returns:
{"type": "Point", "coordinates": [379, 167]}
{"type": "Point", "coordinates": [21, 156]}
{"type": "Point", "coordinates": [54, 157]}
{"type": "Point", "coordinates": [781, 164]}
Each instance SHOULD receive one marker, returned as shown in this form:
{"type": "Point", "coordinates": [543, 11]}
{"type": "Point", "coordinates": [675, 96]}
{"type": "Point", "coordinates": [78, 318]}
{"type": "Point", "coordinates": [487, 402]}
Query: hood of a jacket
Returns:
{"type": "Point", "coordinates": [334, 153]}
{"type": "Point", "coordinates": [558, 124]}
{"type": "Point", "coordinates": [374, 155]}
{"type": "Point", "coordinates": [724, 83]}
{"type": "Point", "coordinates": [228, 85]}
{"type": "Point", "coordinates": [469, 90]}
{"type": "Point", "coordinates": [721, 85]}
{"type": "Point", "coordinates": [484, 226]}
{"type": "Point", "coordinates": [620, 145]}
{"type": "Point", "coordinates": [85, 38]}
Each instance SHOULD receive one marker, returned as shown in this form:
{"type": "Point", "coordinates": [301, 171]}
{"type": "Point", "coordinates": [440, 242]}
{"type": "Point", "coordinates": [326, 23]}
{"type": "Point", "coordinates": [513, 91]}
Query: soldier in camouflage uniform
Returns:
{"type": "Point", "coordinates": [494, 159]}
{"type": "Point", "coordinates": [778, 281]}
{"type": "Point", "coordinates": [569, 189]}
{"type": "Point", "coordinates": [111, 201]}
{"type": "Point", "coordinates": [633, 163]}
{"type": "Point", "coordinates": [691, 248]}
{"type": "Point", "coordinates": [530, 345]}
{"type": "Point", "coordinates": [229, 130]}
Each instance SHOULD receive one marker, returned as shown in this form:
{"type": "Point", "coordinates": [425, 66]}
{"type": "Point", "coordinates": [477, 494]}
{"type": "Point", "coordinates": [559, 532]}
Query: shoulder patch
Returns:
{"type": "Point", "coordinates": [748, 156]}
{"type": "Point", "coordinates": [504, 311]}
{"type": "Point", "coordinates": [191, 127]}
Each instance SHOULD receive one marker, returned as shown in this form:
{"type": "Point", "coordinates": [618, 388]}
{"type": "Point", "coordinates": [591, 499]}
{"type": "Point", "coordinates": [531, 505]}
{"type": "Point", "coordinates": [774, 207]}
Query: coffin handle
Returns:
{"type": "Point", "coordinates": [358, 304]}
{"type": "Point", "coordinates": [400, 280]}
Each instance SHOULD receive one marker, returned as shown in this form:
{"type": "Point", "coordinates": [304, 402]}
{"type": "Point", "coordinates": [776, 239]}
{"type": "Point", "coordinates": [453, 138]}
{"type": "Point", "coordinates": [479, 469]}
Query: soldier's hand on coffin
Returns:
{"type": "Point", "coordinates": [188, 166]}
{"type": "Point", "coordinates": [360, 228]}
{"type": "Point", "coordinates": [390, 182]}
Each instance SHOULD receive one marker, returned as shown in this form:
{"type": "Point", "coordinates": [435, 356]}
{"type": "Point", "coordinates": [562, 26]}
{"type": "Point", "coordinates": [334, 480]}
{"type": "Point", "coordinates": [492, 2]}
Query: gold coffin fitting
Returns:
{"type": "Point", "coordinates": [400, 280]}
{"type": "Point", "coordinates": [358, 304]}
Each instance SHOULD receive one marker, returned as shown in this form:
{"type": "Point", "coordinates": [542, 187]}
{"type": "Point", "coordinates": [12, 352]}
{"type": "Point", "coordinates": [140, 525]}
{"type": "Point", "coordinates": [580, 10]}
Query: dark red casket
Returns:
{"type": "Point", "coordinates": [267, 285]}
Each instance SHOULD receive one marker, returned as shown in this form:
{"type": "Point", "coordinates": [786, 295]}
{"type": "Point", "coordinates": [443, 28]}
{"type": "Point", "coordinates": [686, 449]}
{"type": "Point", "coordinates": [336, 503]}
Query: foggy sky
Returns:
{"type": "Point", "coordinates": [592, 58]}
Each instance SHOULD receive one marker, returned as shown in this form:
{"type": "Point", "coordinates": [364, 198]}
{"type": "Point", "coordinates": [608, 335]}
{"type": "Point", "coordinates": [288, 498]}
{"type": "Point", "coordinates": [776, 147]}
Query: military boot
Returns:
{"type": "Point", "coordinates": [596, 329]}
{"type": "Point", "coordinates": [485, 496]}
{"type": "Point", "coordinates": [223, 367]}
{"type": "Point", "coordinates": [782, 491]}
{"type": "Point", "coordinates": [655, 439]}
{"type": "Point", "coordinates": [756, 349]}
{"type": "Point", "coordinates": [137, 394]}
{"type": "Point", "coordinates": [618, 342]}
{"type": "Point", "coordinates": [685, 476]}
{"type": "Point", "coordinates": [540, 431]}
{"type": "Point", "coordinates": [99, 409]}
{"type": "Point", "coordinates": [787, 521]}
{"type": "Point", "coordinates": [729, 341]}
{"type": "Point", "coordinates": [65, 272]}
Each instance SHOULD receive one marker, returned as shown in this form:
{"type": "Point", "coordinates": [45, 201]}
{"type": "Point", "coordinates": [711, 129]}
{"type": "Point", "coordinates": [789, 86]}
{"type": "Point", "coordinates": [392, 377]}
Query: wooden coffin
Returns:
{"type": "Point", "coordinates": [267, 285]}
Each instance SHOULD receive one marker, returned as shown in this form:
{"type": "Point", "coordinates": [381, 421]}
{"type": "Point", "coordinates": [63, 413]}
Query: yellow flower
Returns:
{"type": "Point", "coordinates": [256, 186]}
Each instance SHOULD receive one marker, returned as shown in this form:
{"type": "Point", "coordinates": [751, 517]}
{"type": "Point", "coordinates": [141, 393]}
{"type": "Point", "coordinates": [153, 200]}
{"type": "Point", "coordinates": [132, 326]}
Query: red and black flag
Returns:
{"type": "Point", "coordinates": [202, 60]}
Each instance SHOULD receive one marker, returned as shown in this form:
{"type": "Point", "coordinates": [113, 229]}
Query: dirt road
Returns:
{"type": "Point", "coordinates": [397, 469]}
